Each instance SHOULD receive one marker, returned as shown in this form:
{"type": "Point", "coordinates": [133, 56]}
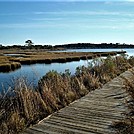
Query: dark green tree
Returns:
{"type": "Point", "coordinates": [29, 42]}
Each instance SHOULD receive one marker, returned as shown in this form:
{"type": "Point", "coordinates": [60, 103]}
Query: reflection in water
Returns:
{"type": "Point", "coordinates": [34, 72]}
{"type": "Point", "coordinates": [129, 51]}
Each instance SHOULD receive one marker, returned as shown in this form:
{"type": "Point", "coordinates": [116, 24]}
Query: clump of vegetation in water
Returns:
{"type": "Point", "coordinates": [24, 105]}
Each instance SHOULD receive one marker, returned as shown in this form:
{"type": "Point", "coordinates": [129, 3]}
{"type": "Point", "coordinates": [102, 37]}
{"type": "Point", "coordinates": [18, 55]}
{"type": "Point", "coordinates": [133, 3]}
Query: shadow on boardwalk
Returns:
{"type": "Point", "coordinates": [92, 114]}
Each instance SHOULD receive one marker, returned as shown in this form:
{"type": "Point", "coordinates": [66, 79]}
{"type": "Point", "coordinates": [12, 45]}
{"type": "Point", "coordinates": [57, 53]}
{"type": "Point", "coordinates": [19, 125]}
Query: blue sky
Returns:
{"type": "Point", "coordinates": [66, 21]}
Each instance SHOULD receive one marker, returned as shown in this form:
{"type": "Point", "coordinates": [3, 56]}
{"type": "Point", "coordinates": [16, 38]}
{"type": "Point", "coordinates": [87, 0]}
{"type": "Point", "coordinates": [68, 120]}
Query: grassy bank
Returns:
{"type": "Point", "coordinates": [6, 65]}
{"type": "Point", "coordinates": [9, 63]}
{"type": "Point", "coordinates": [24, 105]}
{"type": "Point", "coordinates": [9, 66]}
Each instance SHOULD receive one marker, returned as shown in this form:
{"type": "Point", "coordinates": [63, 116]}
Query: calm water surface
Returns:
{"type": "Point", "coordinates": [34, 72]}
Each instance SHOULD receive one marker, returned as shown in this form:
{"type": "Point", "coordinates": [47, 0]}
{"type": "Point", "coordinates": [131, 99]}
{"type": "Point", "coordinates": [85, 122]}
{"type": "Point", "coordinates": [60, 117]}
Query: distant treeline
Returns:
{"type": "Point", "coordinates": [27, 47]}
{"type": "Point", "coordinates": [93, 46]}
{"type": "Point", "coordinates": [71, 46]}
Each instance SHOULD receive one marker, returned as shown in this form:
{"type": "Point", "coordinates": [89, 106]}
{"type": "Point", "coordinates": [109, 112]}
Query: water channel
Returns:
{"type": "Point", "coordinates": [34, 72]}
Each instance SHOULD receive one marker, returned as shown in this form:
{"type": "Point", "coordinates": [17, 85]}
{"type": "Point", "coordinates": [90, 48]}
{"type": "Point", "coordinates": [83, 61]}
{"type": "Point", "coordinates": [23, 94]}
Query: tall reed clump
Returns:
{"type": "Point", "coordinates": [20, 107]}
{"type": "Point", "coordinates": [106, 69]}
{"type": "Point", "coordinates": [23, 105]}
{"type": "Point", "coordinates": [61, 89]}
{"type": "Point", "coordinates": [9, 66]}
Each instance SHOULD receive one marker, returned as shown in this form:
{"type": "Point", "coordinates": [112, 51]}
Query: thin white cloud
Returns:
{"type": "Point", "coordinates": [43, 0]}
{"type": "Point", "coordinates": [83, 26]}
{"type": "Point", "coordinates": [14, 14]}
{"type": "Point", "coordinates": [47, 19]}
{"type": "Point", "coordinates": [79, 13]}
{"type": "Point", "coordinates": [130, 0]}
{"type": "Point", "coordinates": [70, 0]}
{"type": "Point", "coordinates": [38, 13]}
{"type": "Point", "coordinates": [112, 27]}
{"type": "Point", "coordinates": [120, 2]}
{"type": "Point", "coordinates": [88, 13]}
{"type": "Point", "coordinates": [86, 20]}
{"type": "Point", "coordinates": [31, 25]}
{"type": "Point", "coordinates": [70, 13]}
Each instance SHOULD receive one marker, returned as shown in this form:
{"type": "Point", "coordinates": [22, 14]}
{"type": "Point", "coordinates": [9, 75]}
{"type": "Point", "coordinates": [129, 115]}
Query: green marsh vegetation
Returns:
{"type": "Point", "coordinates": [22, 105]}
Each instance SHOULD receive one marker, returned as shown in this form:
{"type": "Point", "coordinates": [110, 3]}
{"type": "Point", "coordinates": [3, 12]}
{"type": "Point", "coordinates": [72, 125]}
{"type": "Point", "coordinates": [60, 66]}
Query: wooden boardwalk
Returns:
{"type": "Point", "coordinates": [92, 114]}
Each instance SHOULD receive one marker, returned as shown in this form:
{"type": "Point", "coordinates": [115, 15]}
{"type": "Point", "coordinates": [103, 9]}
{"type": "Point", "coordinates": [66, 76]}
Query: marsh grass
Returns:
{"type": "Point", "coordinates": [9, 66]}
{"type": "Point", "coordinates": [10, 63]}
{"type": "Point", "coordinates": [22, 105]}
